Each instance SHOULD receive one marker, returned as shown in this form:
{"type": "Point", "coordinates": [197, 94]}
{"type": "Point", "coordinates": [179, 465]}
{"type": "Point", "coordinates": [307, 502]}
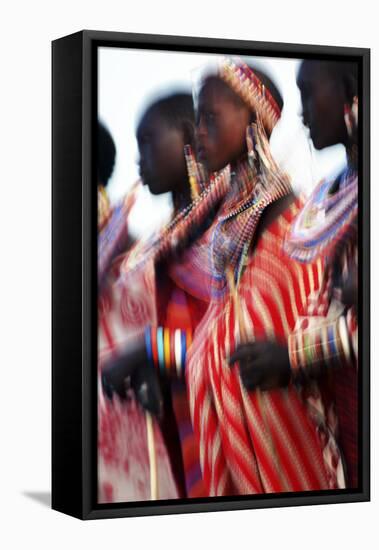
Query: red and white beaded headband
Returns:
{"type": "Point", "coordinates": [251, 90]}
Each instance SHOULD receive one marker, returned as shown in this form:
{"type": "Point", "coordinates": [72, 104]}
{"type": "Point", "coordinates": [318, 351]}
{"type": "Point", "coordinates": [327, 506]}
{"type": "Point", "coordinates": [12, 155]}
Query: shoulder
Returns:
{"type": "Point", "coordinates": [278, 217]}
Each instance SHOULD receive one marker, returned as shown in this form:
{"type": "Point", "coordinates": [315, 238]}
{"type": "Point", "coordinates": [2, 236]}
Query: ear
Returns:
{"type": "Point", "coordinates": [350, 83]}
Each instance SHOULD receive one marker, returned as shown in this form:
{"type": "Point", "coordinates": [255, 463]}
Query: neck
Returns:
{"type": "Point", "coordinates": [181, 196]}
{"type": "Point", "coordinates": [241, 161]}
{"type": "Point", "coordinates": [243, 180]}
{"type": "Point", "coordinates": [244, 169]}
{"type": "Point", "coordinates": [352, 156]}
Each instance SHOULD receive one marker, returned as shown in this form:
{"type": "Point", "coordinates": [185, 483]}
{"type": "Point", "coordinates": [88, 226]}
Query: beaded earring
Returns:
{"type": "Point", "coordinates": [194, 176]}
{"type": "Point", "coordinates": [351, 116]}
{"type": "Point", "coordinates": [104, 207]}
{"type": "Point", "coordinates": [351, 121]}
{"type": "Point", "coordinates": [250, 142]}
{"type": "Point", "coordinates": [347, 117]}
{"type": "Point", "coordinates": [354, 111]}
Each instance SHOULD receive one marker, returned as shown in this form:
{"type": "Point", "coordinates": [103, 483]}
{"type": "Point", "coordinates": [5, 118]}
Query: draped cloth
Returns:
{"type": "Point", "coordinates": [254, 442]}
{"type": "Point", "coordinates": [123, 460]}
{"type": "Point", "coordinates": [327, 227]}
{"type": "Point", "coordinates": [112, 230]}
{"type": "Point", "coordinates": [132, 298]}
{"type": "Point", "coordinates": [123, 464]}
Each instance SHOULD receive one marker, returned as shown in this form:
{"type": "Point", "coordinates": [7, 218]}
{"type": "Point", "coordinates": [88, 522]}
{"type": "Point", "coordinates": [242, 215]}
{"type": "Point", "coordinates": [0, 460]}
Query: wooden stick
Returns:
{"type": "Point", "coordinates": [152, 457]}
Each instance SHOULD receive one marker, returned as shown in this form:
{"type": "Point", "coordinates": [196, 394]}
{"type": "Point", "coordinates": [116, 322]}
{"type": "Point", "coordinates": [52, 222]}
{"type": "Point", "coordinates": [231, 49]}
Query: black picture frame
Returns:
{"type": "Point", "coordinates": [74, 294]}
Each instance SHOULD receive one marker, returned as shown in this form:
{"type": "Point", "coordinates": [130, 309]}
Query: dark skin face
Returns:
{"type": "Point", "coordinates": [162, 162]}
{"type": "Point", "coordinates": [163, 169]}
{"type": "Point", "coordinates": [221, 126]}
{"type": "Point", "coordinates": [222, 122]}
{"type": "Point", "coordinates": [264, 364]}
{"type": "Point", "coordinates": [323, 96]}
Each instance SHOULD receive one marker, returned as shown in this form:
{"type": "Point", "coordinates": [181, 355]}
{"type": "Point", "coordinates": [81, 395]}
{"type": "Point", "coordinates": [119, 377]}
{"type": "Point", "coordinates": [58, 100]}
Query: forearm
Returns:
{"type": "Point", "coordinates": [166, 349]}
{"type": "Point", "coordinates": [328, 345]}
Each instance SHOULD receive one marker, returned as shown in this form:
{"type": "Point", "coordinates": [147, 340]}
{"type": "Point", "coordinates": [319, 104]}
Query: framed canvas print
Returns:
{"type": "Point", "coordinates": [210, 274]}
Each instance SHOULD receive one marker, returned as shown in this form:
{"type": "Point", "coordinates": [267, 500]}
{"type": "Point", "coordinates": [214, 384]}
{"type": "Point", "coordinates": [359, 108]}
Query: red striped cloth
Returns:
{"type": "Point", "coordinates": [184, 312]}
{"type": "Point", "coordinates": [338, 375]}
{"type": "Point", "coordinates": [249, 442]}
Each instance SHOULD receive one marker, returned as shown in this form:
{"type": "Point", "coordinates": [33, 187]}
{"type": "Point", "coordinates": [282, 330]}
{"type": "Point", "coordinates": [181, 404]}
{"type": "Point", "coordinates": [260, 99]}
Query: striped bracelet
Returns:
{"type": "Point", "coordinates": [166, 349]}
{"type": "Point", "coordinates": [328, 344]}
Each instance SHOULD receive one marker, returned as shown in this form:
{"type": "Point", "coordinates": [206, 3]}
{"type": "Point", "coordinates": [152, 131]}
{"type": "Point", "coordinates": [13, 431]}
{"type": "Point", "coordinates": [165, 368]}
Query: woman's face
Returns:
{"type": "Point", "coordinates": [323, 99]}
{"type": "Point", "coordinates": [162, 164]}
{"type": "Point", "coordinates": [222, 120]}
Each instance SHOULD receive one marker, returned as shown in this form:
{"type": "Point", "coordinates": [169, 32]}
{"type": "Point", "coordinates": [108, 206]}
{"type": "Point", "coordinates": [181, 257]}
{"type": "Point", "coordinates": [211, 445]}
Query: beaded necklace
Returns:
{"type": "Point", "coordinates": [254, 186]}
{"type": "Point", "coordinates": [325, 219]}
{"type": "Point", "coordinates": [188, 219]}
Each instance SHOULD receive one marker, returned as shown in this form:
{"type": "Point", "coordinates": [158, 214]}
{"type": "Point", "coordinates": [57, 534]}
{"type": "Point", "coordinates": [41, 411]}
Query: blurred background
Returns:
{"type": "Point", "coordinates": [129, 80]}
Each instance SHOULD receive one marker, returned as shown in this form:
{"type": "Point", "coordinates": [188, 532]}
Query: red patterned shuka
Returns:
{"type": "Point", "coordinates": [112, 229]}
{"type": "Point", "coordinates": [132, 298]}
{"type": "Point", "coordinates": [257, 442]}
{"type": "Point", "coordinates": [325, 340]}
{"type": "Point", "coordinates": [123, 459]}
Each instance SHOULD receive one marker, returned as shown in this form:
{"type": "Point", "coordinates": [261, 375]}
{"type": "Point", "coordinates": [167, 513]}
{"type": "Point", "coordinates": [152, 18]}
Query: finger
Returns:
{"type": "Point", "coordinates": [245, 351]}
{"type": "Point", "coordinates": [255, 366]}
{"type": "Point", "coordinates": [269, 384]}
{"type": "Point", "coordinates": [250, 382]}
{"type": "Point", "coordinates": [250, 378]}
{"type": "Point", "coordinates": [254, 373]}
{"type": "Point", "coordinates": [266, 376]}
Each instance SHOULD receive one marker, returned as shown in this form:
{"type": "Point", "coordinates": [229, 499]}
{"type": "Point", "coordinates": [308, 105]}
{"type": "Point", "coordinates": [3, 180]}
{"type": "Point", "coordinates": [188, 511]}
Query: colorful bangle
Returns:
{"type": "Point", "coordinates": [324, 344]}
{"type": "Point", "coordinates": [154, 346]}
{"type": "Point", "coordinates": [344, 335]}
{"type": "Point", "coordinates": [166, 342]}
{"type": "Point", "coordinates": [160, 346]}
{"type": "Point", "coordinates": [172, 352]}
{"type": "Point", "coordinates": [184, 351]}
{"type": "Point", "coordinates": [332, 344]}
{"type": "Point", "coordinates": [318, 347]}
{"type": "Point", "coordinates": [301, 351]}
{"type": "Point", "coordinates": [307, 348]}
{"type": "Point", "coordinates": [292, 352]}
{"type": "Point", "coordinates": [340, 351]}
{"type": "Point", "coordinates": [189, 339]}
{"type": "Point", "coordinates": [149, 349]}
{"type": "Point", "coordinates": [178, 352]}
{"type": "Point", "coordinates": [327, 344]}
{"type": "Point", "coordinates": [167, 349]}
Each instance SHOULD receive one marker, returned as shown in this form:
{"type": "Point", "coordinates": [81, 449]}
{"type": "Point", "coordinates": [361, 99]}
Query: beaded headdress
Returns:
{"type": "Point", "coordinates": [246, 84]}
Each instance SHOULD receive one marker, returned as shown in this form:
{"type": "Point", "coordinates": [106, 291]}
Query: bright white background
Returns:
{"type": "Point", "coordinates": [27, 29]}
{"type": "Point", "coordinates": [129, 80]}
